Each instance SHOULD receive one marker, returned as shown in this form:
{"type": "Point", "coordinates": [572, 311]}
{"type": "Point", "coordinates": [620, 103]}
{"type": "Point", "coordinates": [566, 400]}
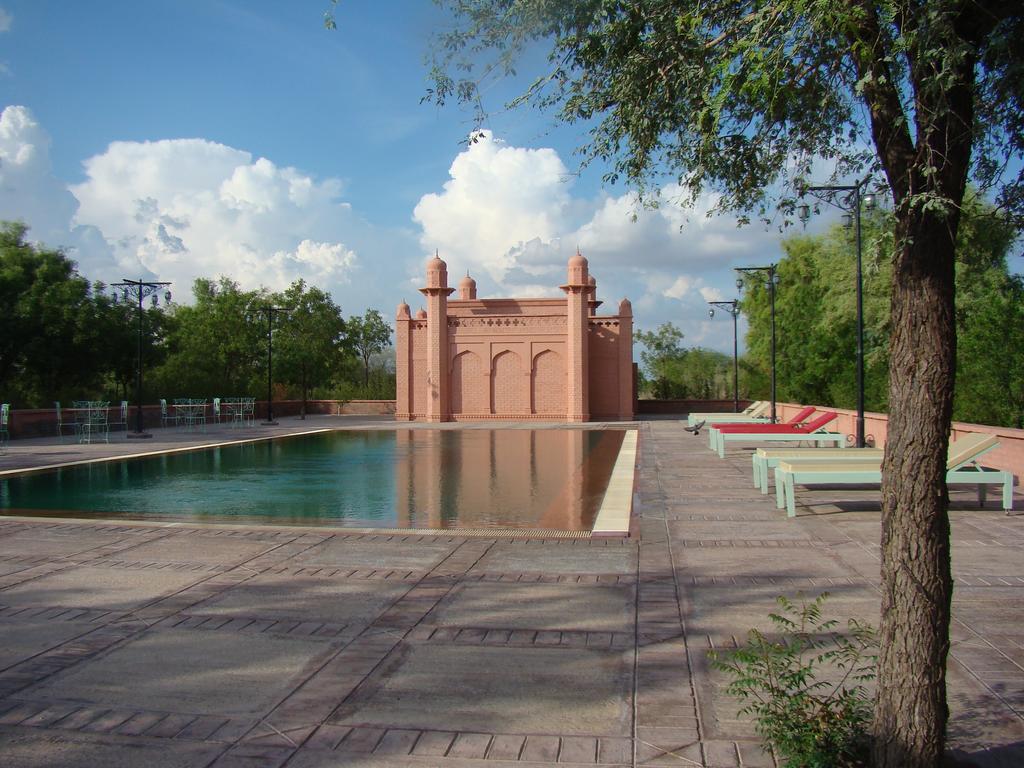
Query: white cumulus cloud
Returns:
{"type": "Point", "coordinates": [30, 193]}
{"type": "Point", "coordinates": [500, 207]}
{"type": "Point", "coordinates": [186, 208]}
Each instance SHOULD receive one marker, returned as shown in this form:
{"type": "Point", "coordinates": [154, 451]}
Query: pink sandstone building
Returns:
{"type": "Point", "coordinates": [513, 359]}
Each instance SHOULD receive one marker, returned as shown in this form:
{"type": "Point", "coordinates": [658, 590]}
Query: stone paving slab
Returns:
{"type": "Point", "coordinates": [190, 671]}
{"type": "Point", "coordinates": [303, 598]}
{"type": "Point", "coordinates": [597, 608]}
{"type": "Point", "coordinates": [212, 550]}
{"type": "Point", "coordinates": [367, 552]}
{"type": "Point", "coordinates": [94, 587]}
{"type": "Point", "coordinates": [35, 748]}
{"type": "Point", "coordinates": [27, 543]}
{"type": "Point", "coordinates": [21, 639]}
{"type": "Point", "coordinates": [576, 692]}
{"type": "Point", "coordinates": [557, 558]}
{"type": "Point", "coordinates": [255, 646]}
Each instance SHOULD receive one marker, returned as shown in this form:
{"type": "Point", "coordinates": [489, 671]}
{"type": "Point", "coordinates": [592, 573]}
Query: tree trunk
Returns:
{"type": "Point", "coordinates": [910, 709]}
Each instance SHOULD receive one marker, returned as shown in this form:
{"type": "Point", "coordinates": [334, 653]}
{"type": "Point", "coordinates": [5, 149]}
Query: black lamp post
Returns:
{"type": "Point", "coordinates": [773, 280]}
{"type": "Point", "coordinates": [732, 307]}
{"type": "Point", "coordinates": [138, 290]}
{"type": "Point", "coordinates": [851, 216]}
{"type": "Point", "coordinates": [270, 311]}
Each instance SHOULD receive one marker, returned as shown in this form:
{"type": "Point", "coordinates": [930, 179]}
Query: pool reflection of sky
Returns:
{"type": "Point", "coordinates": [393, 479]}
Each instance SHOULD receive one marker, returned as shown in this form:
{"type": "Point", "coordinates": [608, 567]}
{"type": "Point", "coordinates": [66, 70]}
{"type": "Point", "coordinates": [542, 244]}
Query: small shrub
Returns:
{"type": "Point", "coordinates": [811, 722]}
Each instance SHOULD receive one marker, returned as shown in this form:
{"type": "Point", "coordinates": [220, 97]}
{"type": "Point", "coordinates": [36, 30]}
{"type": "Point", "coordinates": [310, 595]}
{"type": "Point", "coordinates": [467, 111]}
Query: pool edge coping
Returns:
{"type": "Point", "coordinates": [616, 511]}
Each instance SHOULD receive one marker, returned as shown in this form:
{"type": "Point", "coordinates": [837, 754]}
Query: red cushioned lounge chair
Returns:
{"type": "Point", "coordinates": [811, 431]}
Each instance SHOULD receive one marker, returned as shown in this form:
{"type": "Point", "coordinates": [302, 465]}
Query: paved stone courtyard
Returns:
{"type": "Point", "coordinates": [180, 645]}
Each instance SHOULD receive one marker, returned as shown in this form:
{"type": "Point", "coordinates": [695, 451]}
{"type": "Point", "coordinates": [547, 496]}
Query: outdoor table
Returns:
{"type": "Point", "coordinates": [190, 413]}
{"type": "Point", "coordinates": [91, 420]}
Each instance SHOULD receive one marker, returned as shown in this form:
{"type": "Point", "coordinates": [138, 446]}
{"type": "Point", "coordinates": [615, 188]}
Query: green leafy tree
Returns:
{"type": "Point", "coordinates": [217, 346]}
{"type": "Point", "coordinates": [310, 344]}
{"type": "Point", "coordinates": [743, 97]}
{"type": "Point", "coordinates": [673, 371]}
{"type": "Point", "coordinates": [49, 329]}
{"type": "Point", "coordinates": [662, 357]}
{"type": "Point", "coordinates": [368, 335]}
{"type": "Point", "coordinates": [815, 311]}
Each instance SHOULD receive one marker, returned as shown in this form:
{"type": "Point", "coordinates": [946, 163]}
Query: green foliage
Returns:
{"type": "Point", "coordinates": [368, 335]}
{"type": "Point", "coordinates": [57, 336]}
{"type": "Point", "coordinates": [63, 339]}
{"type": "Point", "coordinates": [816, 319]}
{"type": "Point", "coordinates": [806, 687]}
{"type": "Point", "coordinates": [741, 96]}
{"type": "Point", "coordinates": [673, 372]}
{"type": "Point", "coordinates": [309, 344]}
{"type": "Point", "coordinates": [218, 346]}
{"type": "Point", "coordinates": [990, 351]}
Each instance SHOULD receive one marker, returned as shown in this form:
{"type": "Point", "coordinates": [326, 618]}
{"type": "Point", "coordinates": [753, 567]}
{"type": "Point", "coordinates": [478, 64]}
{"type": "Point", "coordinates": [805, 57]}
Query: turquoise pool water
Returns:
{"type": "Point", "coordinates": [392, 479]}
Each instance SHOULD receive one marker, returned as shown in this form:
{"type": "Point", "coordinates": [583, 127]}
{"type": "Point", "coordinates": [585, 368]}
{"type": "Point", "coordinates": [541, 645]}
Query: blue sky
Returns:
{"type": "Point", "coordinates": [239, 137]}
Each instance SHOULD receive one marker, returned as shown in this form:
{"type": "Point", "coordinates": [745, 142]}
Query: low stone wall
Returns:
{"type": "Point", "coordinates": [42, 422]}
{"type": "Point", "coordinates": [683, 407]}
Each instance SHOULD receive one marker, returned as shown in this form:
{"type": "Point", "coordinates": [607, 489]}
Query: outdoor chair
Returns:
{"type": "Point", "coordinates": [5, 417]}
{"type": "Point", "coordinates": [248, 410]}
{"type": "Point", "coordinates": [765, 460]}
{"type": "Point", "coordinates": [122, 417]}
{"type": "Point", "coordinates": [962, 468]}
{"type": "Point", "coordinates": [756, 411]}
{"type": "Point", "coordinates": [809, 432]}
{"type": "Point", "coordinates": [798, 418]}
{"type": "Point", "coordinates": [215, 407]}
{"type": "Point", "coordinates": [61, 424]}
{"type": "Point", "coordinates": [166, 419]}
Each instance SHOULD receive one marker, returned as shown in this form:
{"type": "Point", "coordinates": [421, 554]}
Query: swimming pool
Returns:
{"type": "Point", "coordinates": [516, 478]}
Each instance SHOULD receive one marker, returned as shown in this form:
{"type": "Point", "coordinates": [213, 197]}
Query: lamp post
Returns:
{"type": "Point", "coordinates": [732, 307]}
{"type": "Point", "coordinates": [139, 290]}
{"type": "Point", "coordinates": [851, 216]}
{"type": "Point", "coordinates": [772, 281]}
{"type": "Point", "coordinates": [270, 311]}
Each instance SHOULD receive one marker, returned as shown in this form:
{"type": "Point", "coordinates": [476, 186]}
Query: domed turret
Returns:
{"type": "Point", "coordinates": [421, 314]}
{"type": "Point", "coordinates": [578, 270]}
{"type": "Point", "coordinates": [467, 288]}
{"type": "Point", "coordinates": [437, 273]}
{"type": "Point", "coordinates": [625, 308]}
{"type": "Point", "coordinates": [403, 311]}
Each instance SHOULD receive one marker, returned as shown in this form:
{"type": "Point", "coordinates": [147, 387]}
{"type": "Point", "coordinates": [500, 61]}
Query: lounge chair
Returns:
{"type": "Point", "coordinates": [962, 468]}
{"type": "Point", "coordinates": [755, 412]}
{"type": "Point", "coordinates": [809, 432]}
{"type": "Point", "coordinates": [798, 418]}
{"type": "Point", "coordinates": [61, 424]}
{"type": "Point", "coordinates": [765, 460]}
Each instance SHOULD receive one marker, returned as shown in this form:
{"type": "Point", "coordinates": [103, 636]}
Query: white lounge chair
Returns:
{"type": "Point", "coordinates": [962, 468]}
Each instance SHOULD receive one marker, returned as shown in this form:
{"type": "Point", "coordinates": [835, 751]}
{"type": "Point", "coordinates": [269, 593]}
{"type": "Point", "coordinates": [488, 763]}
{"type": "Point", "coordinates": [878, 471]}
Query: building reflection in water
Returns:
{"type": "Point", "coordinates": [550, 478]}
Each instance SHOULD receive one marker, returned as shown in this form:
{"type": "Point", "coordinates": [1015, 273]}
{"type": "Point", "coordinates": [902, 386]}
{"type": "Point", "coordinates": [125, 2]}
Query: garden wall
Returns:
{"type": "Point", "coordinates": [42, 422]}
